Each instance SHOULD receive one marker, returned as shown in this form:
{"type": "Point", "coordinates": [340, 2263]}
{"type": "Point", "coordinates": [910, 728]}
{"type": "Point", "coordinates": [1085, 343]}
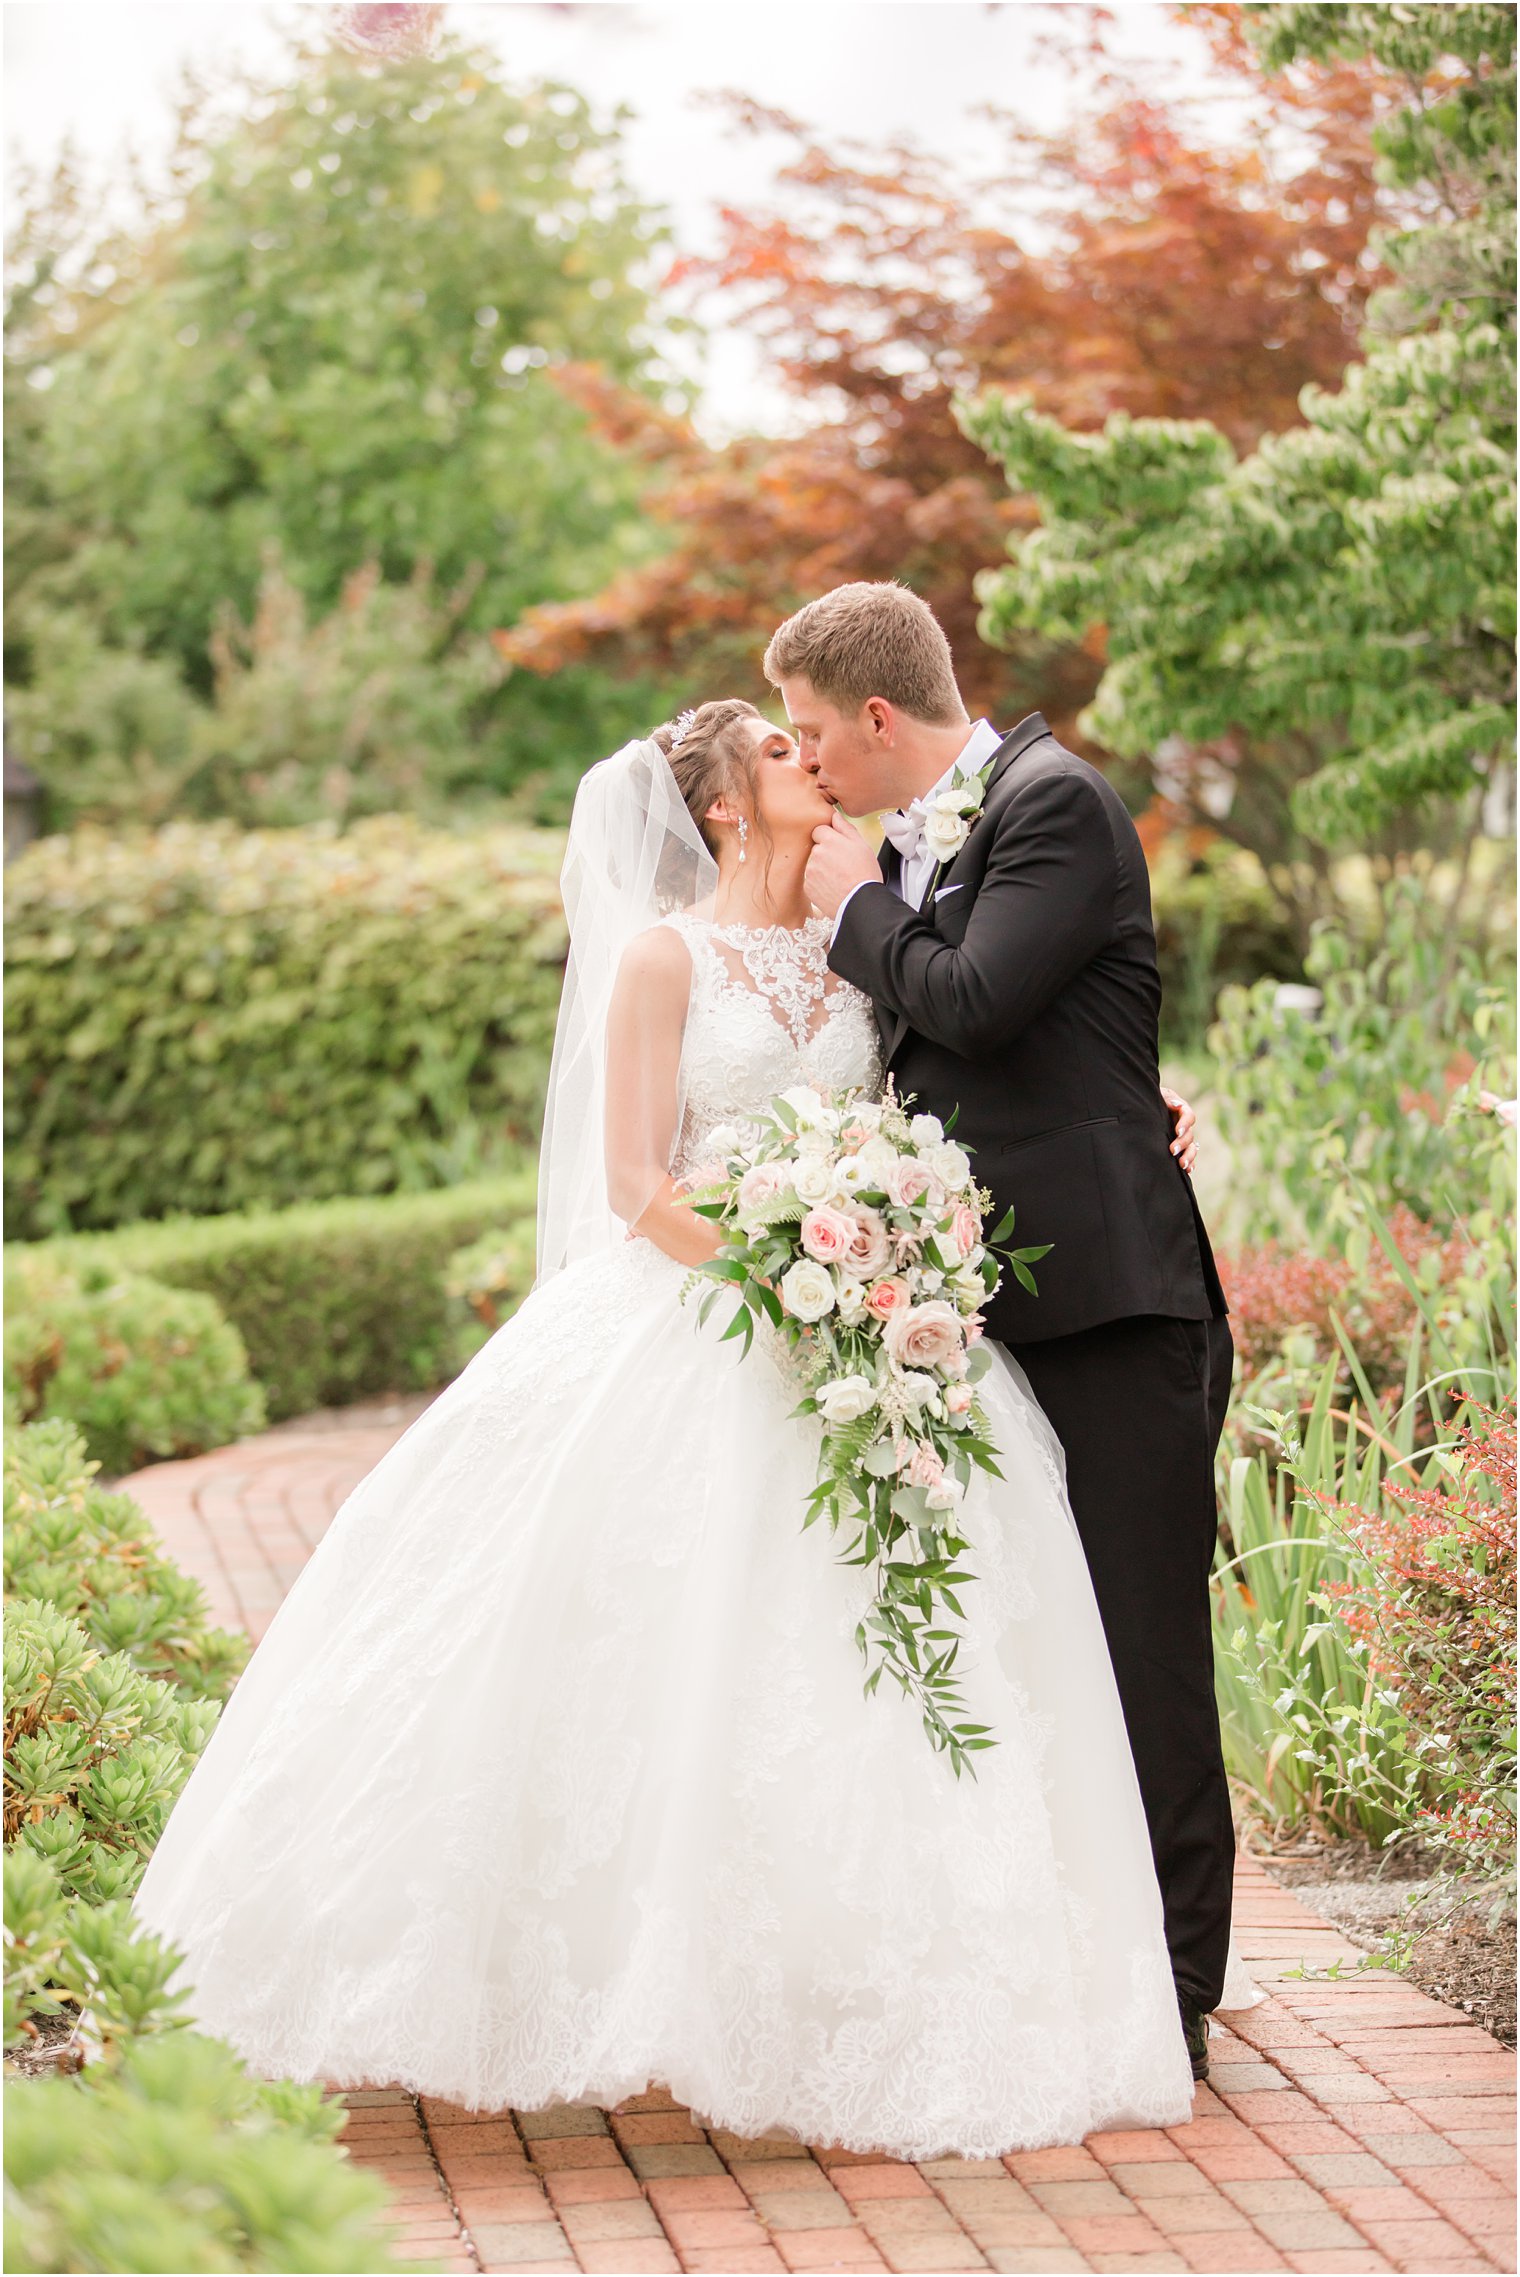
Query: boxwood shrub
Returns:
{"type": "Point", "coordinates": [206, 1019]}
{"type": "Point", "coordinates": [334, 1301]}
{"type": "Point", "coordinates": [145, 1371]}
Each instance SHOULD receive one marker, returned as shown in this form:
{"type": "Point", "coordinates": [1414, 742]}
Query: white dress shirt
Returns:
{"type": "Point", "coordinates": [913, 876]}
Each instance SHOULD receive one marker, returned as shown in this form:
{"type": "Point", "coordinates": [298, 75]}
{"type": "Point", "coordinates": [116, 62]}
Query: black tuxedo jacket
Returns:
{"type": "Point", "coordinates": [1025, 992]}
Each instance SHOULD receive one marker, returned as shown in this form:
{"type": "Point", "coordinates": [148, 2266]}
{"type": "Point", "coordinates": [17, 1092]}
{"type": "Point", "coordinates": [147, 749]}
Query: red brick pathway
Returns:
{"type": "Point", "coordinates": [1351, 2123]}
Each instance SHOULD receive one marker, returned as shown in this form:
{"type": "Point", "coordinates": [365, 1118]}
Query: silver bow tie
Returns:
{"type": "Point", "coordinates": [905, 829]}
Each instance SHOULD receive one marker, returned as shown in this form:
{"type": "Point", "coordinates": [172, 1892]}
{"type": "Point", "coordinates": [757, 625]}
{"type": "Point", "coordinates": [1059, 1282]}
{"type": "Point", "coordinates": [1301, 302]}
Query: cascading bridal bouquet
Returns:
{"type": "Point", "coordinates": [855, 1230]}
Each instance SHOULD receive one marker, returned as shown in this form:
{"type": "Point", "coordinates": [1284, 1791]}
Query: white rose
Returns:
{"type": "Point", "coordinates": [866, 1112]}
{"type": "Point", "coordinates": [807, 1290]}
{"type": "Point", "coordinates": [851, 1301]}
{"type": "Point", "coordinates": [804, 1102]}
{"type": "Point", "coordinates": [970, 1291]}
{"type": "Point", "coordinates": [877, 1159]}
{"type": "Point", "coordinates": [945, 831]}
{"type": "Point", "coordinates": [919, 1390]}
{"type": "Point", "coordinates": [812, 1180]}
{"type": "Point", "coordinates": [951, 1163]}
{"type": "Point", "coordinates": [963, 797]}
{"type": "Point", "coordinates": [813, 1143]}
{"type": "Point", "coordinates": [943, 1496]}
{"type": "Point", "coordinates": [846, 1399]}
{"type": "Point", "coordinates": [926, 1130]}
{"type": "Point", "coordinates": [724, 1141]}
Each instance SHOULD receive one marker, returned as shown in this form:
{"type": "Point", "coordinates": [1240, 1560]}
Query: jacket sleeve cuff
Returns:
{"type": "Point", "coordinates": [844, 905]}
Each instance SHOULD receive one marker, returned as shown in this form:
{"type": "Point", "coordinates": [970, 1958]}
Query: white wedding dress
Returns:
{"type": "Point", "coordinates": [553, 1776]}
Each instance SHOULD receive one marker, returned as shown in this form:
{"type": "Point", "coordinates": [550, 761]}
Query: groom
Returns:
{"type": "Point", "coordinates": [1005, 939]}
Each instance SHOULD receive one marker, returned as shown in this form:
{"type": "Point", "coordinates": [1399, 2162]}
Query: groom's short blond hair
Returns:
{"type": "Point", "coordinates": [869, 640]}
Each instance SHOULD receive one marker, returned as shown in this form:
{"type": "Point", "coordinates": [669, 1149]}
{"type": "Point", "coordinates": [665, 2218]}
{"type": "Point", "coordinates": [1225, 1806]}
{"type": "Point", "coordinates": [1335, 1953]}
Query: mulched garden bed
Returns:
{"type": "Point", "coordinates": [49, 2052]}
{"type": "Point", "coordinates": [1454, 1940]}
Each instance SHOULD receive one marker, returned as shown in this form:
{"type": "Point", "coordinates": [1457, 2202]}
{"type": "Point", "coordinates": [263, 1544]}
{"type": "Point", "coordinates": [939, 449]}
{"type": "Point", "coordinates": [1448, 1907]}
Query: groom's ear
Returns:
{"type": "Point", "coordinates": [879, 720]}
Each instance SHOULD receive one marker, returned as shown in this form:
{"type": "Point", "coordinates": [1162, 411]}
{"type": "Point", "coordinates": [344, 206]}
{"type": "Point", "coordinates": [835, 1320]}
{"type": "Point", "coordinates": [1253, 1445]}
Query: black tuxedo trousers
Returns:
{"type": "Point", "coordinates": [1138, 1406]}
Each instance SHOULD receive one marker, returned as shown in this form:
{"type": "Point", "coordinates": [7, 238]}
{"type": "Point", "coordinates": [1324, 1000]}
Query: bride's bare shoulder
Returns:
{"type": "Point", "coordinates": [656, 960]}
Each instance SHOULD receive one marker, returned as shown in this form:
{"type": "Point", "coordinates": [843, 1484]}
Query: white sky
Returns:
{"type": "Point", "coordinates": [102, 72]}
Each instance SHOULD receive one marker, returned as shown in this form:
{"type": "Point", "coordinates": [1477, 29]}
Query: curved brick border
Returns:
{"type": "Point", "coordinates": [1351, 2123]}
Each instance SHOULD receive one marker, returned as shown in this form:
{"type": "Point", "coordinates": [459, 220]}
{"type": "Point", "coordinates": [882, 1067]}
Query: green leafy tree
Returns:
{"type": "Point", "coordinates": [334, 332]}
{"type": "Point", "coordinates": [1327, 621]}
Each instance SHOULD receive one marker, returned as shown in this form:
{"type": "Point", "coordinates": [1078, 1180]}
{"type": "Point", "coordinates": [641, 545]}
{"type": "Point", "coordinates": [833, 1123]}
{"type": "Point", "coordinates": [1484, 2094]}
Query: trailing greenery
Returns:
{"type": "Point", "coordinates": [1381, 1080]}
{"type": "Point", "coordinates": [143, 1370]}
{"type": "Point", "coordinates": [1342, 598]}
{"type": "Point", "coordinates": [203, 1020]}
{"type": "Point", "coordinates": [334, 1301]}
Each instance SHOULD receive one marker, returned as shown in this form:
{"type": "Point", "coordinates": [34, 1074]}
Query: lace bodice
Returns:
{"type": "Point", "coordinates": [766, 1012]}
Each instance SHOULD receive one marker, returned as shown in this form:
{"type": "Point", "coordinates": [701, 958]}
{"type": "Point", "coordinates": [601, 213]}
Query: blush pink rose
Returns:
{"type": "Point", "coordinates": [925, 1467]}
{"type": "Point", "coordinates": [888, 1299]}
{"type": "Point", "coordinates": [828, 1235]}
{"type": "Point", "coordinates": [871, 1247]}
{"type": "Point", "coordinates": [907, 1182]}
{"type": "Point", "coordinates": [761, 1185]}
{"type": "Point", "coordinates": [958, 1398]}
{"type": "Point", "coordinates": [968, 1228]}
{"type": "Point", "coordinates": [925, 1336]}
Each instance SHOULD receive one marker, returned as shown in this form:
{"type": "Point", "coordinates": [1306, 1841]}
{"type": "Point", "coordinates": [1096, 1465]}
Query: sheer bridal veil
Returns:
{"type": "Point", "coordinates": [634, 856]}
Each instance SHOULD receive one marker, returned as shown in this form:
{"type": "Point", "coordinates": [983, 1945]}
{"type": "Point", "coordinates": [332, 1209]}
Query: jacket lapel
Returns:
{"type": "Point", "coordinates": [894, 1025]}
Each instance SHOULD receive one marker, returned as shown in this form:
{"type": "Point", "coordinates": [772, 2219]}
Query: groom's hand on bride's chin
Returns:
{"type": "Point", "coordinates": [840, 861]}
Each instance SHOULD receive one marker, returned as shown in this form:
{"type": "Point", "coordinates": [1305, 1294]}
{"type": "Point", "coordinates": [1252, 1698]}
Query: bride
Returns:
{"type": "Point", "coordinates": [553, 1776]}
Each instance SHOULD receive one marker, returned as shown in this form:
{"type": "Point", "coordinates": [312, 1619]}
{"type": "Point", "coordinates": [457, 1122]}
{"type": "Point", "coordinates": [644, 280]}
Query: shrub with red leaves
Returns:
{"type": "Point", "coordinates": [1434, 1601]}
{"type": "Point", "coordinates": [1274, 1292]}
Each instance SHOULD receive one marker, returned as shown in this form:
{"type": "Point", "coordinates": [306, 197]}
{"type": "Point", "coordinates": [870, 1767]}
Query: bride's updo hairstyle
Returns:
{"type": "Point", "coordinates": [710, 757]}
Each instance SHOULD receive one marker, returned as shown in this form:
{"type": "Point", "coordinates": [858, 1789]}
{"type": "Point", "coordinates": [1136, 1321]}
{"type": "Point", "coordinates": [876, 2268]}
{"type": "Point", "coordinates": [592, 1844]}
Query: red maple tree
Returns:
{"type": "Point", "coordinates": [1153, 273]}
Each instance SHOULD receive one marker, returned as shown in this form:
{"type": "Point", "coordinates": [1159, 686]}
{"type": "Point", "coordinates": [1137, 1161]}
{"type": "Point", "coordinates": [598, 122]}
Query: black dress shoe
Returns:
{"type": "Point", "coordinates": [1195, 2031]}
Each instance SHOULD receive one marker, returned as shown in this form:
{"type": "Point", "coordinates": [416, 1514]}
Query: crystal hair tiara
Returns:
{"type": "Point", "coordinates": [685, 721]}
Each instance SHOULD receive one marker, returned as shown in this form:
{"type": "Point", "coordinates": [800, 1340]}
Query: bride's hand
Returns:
{"type": "Point", "coordinates": [1184, 1127]}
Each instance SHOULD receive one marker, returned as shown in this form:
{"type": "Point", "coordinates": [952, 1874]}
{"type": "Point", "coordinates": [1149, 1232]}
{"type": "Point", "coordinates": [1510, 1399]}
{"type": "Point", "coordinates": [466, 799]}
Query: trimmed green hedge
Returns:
{"type": "Point", "coordinates": [143, 1370]}
{"type": "Point", "coordinates": [204, 1019]}
{"type": "Point", "coordinates": [335, 1301]}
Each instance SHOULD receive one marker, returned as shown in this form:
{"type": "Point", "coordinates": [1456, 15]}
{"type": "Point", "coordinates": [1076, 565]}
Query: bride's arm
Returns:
{"type": "Point", "coordinates": [645, 1024]}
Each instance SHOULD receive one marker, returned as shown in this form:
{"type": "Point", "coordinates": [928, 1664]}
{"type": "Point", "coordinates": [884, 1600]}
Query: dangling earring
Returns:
{"type": "Point", "coordinates": [743, 834]}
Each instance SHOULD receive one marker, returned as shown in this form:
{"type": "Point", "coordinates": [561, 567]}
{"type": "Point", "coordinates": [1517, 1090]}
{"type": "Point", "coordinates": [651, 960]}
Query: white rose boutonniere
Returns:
{"type": "Point", "coordinates": [946, 829]}
{"type": "Point", "coordinates": [951, 813]}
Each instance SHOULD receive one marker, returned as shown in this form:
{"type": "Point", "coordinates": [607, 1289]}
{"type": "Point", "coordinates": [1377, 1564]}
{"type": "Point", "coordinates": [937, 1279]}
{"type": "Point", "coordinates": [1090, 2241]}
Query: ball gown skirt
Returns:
{"type": "Point", "coordinates": [553, 1777]}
